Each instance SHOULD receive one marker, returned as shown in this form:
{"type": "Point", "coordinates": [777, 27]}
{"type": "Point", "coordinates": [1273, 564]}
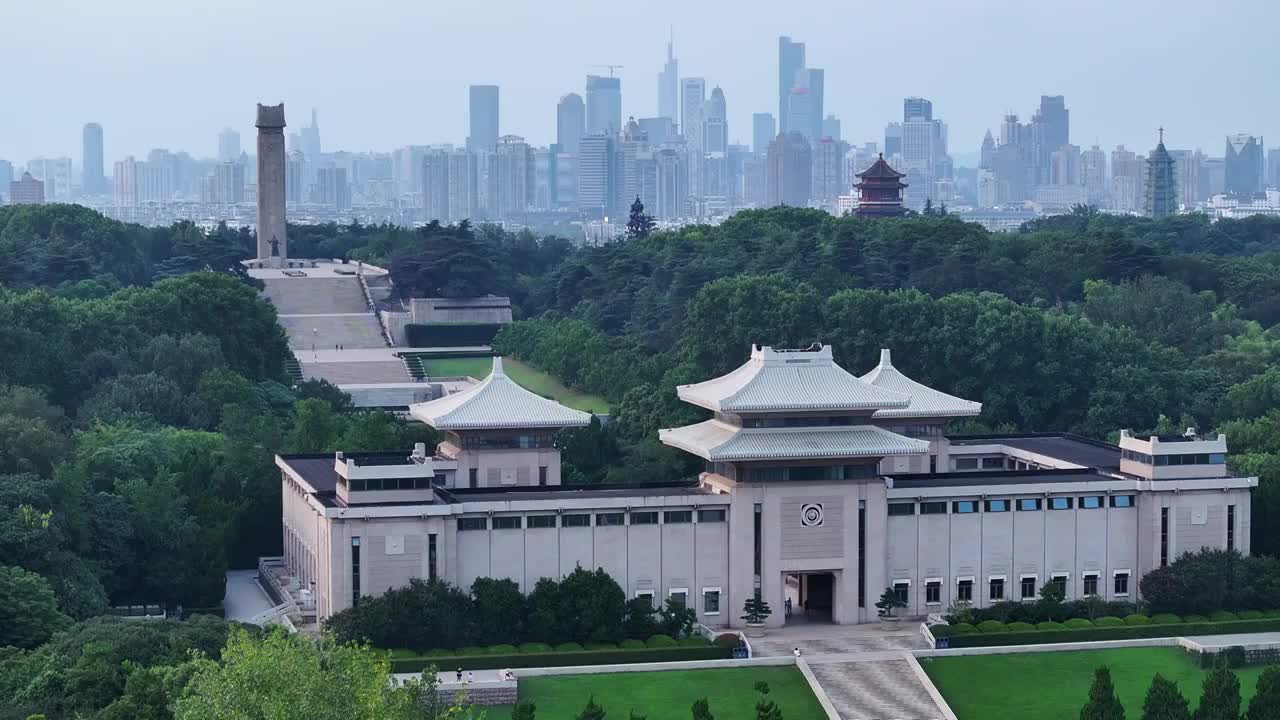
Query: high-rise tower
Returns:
{"type": "Point", "coordinates": [571, 122]}
{"type": "Point", "coordinates": [604, 105]}
{"type": "Point", "coordinates": [484, 118]}
{"type": "Point", "coordinates": [669, 85]}
{"type": "Point", "coordinates": [92, 181]}
{"type": "Point", "coordinates": [790, 60]}
{"type": "Point", "coordinates": [272, 241]}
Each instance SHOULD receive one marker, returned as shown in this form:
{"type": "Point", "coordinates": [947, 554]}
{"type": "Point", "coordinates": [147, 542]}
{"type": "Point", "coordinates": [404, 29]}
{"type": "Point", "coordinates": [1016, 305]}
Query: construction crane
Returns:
{"type": "Point", "coordinates": [611, 68]}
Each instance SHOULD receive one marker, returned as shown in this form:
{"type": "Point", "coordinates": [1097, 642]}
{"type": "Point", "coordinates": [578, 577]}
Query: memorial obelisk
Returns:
{"type": "Point", "coordinates": [273, 245]}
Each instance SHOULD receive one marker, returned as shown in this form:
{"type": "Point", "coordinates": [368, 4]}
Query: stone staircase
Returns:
{"type": "Point", "coordinates": [316, 296]}
{"type": "Point", "coordinates": [767, 647]}
{"type": "Point", "coordinates": [326, 332]}
{"type": "Point", "coordinates": [876, 690]}
{"type": "Point", "coordinates": [355, 373]}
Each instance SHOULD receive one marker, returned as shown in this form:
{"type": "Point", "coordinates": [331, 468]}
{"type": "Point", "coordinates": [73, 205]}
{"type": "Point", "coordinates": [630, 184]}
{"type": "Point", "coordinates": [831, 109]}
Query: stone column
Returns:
{"type": "Point", "coordinates": [273, 245]}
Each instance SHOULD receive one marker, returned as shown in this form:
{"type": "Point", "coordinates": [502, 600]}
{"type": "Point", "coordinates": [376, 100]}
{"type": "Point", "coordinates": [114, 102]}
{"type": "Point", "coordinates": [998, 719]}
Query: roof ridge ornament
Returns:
{"type": "Point", "coordinates": [497, 366]}
{"type": "Point", "coordinates": [885, 361]}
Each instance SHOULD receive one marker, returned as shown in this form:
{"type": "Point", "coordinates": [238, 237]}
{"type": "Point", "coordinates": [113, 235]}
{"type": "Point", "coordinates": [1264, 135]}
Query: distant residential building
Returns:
{"type": "Point", "coordinates": [571, 122]}
{"type": "Point", "coordinates": [987, 154]}
{"type": "Point", "coordinates": [26, 190]}
{"type": "Point", "coordinates": [1273, 169]}
{"type": "Point", "coordinates": [598, 176]}
{"type": "Point", "coordinates": [483, 117]}
{"type": "Point", "coordinates": [93, 180]}
{"type": "Point", "coordinates": [56, 175]}
{"type": "Point", "coordinates": [512, 177]}
{"type": "Point", "coordinates": [295, 178]}
{"type": "Point", "coordinates": [669, 86]}
{"type": "Point", "coordinates": [1093, 173]}
{"type": "Point", "coordinates": [1161, 198]}
{"type": "Point", "coordinates": [828, 172]}
{"type": "Point", "coordinates": [435, 186]}
{"type": "Point", "coordinates": [1244, 165]}
{"type": "Point", "coordinates": [331, 189]}
{"type": "Point", "coordinates": [6, 177]}
{"type": "Point", "coordinates": [463, 177]}
{"type": "Point", "coordinates": [228, 145]}
{"type": "Point", "coordinates": [693, 92]}
{"type": "Point", "coordinates": [671, 185]}
{"type": "Point", "coordinates": [790, 61]}
{"type": "Point", "coordinates": [1127, 182]}
{"type": "Point", "coordinates": [764, 128]}
{"type": "Point", "coordinates": [790, 170]}
{"type": "Point", "coordinates": [124, 179]}
{"type": "Point", "coordinates": [659, 130]}
{"type": "Point", "coordinates": [831, 127]}
{"type": "Point", "coordinates": [604, 105]}
{"type": "Point", "coordinates": [880, 191]}
{"type": "Point", "coordinates": [924, 147]}
{"type": "Point", "coordinates": [892, 140]}
{"type": "Point", "coordinates": [1187, 175]}
{"type": "Point", "coordinates": [1060, 198]}
{"type": "Point", "coordinates": [1064, 166]}
{"type": "Point", "coordinates": [988, 189]}
{"type": "Point", "coordinates": [715, 123]}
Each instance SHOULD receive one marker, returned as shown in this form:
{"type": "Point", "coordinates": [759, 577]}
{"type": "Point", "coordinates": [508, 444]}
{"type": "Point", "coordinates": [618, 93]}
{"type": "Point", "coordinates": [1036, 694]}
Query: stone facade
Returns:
{"type": "Point", "coordinates": [273, 241]}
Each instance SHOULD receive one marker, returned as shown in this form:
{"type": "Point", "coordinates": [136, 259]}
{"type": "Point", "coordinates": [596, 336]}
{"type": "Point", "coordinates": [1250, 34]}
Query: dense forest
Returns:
{"type": "Point", "coordinates": [143, 392]}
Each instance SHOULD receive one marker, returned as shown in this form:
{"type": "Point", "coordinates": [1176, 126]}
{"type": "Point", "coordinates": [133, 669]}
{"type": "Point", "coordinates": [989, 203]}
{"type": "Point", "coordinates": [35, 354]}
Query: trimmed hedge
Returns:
{"type": "Point", "coordinates": [563, 659]}
{"type": "Point", "coordinates": [1078, 623]}
{"type": "Point", "coordinates": [632, 644]}
{"type": "Point", "coordinates": [1049, 625]}
{"type": "Point", "coordinates": [990, 626]}
{"type": "Point", "coordinates": [1223, 616]}
{"type": "Point", "coordinates": [1136, 619]}
{"type": "Point", "coordinates": [1165, 619]}
{"type": "Point", "coordinates": [450, 334]}
{"type": "Point", "coordinates": [1108, 621]}
{"type": "Point", "coordinates": [534, 648]}
{"type": "Point", "coordinates": [1021, 627]}
{"type": "Point", "coordinates": [660, 641]}
{"type": "Point", "coordinates": [1129, 632]}
{"type": "Point", "coordinates": [1251, 615]}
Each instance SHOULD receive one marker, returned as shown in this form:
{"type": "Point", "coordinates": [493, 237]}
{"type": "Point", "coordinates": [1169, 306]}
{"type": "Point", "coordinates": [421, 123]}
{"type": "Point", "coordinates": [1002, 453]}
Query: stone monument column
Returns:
{"type": "Point", "coordinates": [272, 243]}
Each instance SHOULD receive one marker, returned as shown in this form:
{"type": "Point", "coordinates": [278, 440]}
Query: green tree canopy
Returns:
{"type": "Point", "coordinates": [28, 609]}
{"type": "Point", "coordinates": [1164, 701]}
{"type": "Point", "coordinates": [1220, 697]}
{"type": "Point", "coordinates": [1103, 703]}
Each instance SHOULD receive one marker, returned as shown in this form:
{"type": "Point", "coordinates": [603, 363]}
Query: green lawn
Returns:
{"type": "Point", "coordinates": [668, 695]}
{"type": "Point", "coordinates": [527, 377]}
{"type": "Point", "coordinates": [1055, 685]}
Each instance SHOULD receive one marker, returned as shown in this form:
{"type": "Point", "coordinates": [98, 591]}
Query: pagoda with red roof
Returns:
{"type": "Point", "coordinates": [880, 192]}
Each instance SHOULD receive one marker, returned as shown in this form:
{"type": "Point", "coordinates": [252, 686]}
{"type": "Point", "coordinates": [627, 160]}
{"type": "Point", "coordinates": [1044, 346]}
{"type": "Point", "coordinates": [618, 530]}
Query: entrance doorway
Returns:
{"type": "Point", "coordinates": [809, 597]}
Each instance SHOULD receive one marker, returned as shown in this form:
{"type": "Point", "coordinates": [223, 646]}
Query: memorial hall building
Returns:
{"type": "Point", "coordinates": [819, 486]}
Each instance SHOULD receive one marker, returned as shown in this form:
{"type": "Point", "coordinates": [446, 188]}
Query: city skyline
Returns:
{"type": "Point", "coordinates": [1113, 108]}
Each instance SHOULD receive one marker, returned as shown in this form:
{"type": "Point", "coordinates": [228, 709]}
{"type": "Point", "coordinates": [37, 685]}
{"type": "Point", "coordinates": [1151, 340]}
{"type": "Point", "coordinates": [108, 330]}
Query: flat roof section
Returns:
{"type": "Point", "coordinates": [570, 492]}
{"type": "Point", "coordinates": [1071, 448]}
{"type": "Point", "coordinates": [997, 478]}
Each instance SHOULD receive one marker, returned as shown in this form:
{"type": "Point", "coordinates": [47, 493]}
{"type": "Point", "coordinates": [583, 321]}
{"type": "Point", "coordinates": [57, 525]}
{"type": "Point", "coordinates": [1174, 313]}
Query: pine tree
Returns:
{"type": "Point", "coordinates": [592, 711]}
{"type": "Point", "coordinates": [1164, 701]}
{"type": "Point", "coordinates": [928, 207]}
{"type": "Point", "coordinates": [766, 709]}
{"type": "Point", "coordinates": [1103, 703]}
{"type": "Point", "coordinates": [701, 710]}
{"type": "Point", "coordinates": [1265, 704]}
{"type": "Point", "coordinates": [639, 225]}
{"type": "Point", "coordinates": [524, 710]}
{"type": "Point", "coordinates": [1220, 699]}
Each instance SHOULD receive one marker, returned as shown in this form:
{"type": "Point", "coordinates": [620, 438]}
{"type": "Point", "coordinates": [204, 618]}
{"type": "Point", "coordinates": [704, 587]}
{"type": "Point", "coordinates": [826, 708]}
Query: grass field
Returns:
{"type": "Point", "coordinates": [1055, 685]}
{"type": "Point", "coordinates": [668, 695]}
{"type": "Point", "coordinates": [527, 377]}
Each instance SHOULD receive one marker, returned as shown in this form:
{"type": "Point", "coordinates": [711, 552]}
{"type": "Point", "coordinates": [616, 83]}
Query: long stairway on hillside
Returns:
{"type": "Point", "coordinates": [324, 313]}
{"type": "Point", "coordinates": [876, 690]}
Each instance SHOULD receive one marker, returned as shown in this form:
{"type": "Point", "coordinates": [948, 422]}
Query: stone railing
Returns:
{"type": "Point", "coordinates": [481, 694]}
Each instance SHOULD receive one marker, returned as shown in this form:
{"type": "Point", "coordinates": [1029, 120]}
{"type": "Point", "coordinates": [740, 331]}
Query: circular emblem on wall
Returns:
{"type": "Point", "coordinates": [811, 514]}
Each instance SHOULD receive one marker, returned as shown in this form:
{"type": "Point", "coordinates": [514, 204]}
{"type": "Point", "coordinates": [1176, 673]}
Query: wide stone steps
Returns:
{"type": "Point", "coordinates": [326, 332]}
{"type": "Point", "coordinates": [315, 296]}
{"type": "Point", "coordinates": [766, 647]}
{"type": "Point", "coordinates": [876, 690]}
{"type": "Point", "coordinates": [356, 373]}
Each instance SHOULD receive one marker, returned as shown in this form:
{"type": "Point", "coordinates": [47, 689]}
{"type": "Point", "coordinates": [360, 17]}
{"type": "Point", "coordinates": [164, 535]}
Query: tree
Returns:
{"type": "Point", "coordinates": [766, 709]}
{"type": "Point", "coordinates": [592, 606]}
{"type": "Point", "coordinates": [755, 610]}
{"type": "Point", "coordinates": [423, 615]}
{"type": "Point", "coordinates": [498, 609]}
{"type": "Point", "coordinates": [888, 602]}
{"type": "Point", "coordinates": [1103, 703]}
{"type": "Point", "coordinates": [1265, 704]}
{"type": "Point", "coordinates": [292, 676]}
{"type": "Point", "coordinates": [639, 225]}
{"type": "Point", "coordinates": [1164, 701]}
{"type": "Point", "coordinates": [1220, 697]}
{"type": "Point", "coordinates": [677, 618]}
{"type": "Point", "coordinates": [315, 428]}
{"type": "Point", "coordinates": [524, 710]}
{"type": "Point", "coordinates": [702, 710]}
{"type": "Point", "coordinates": [28, 609]}
{"type": "Point", "coordinates": [639, 622]}
{"type": "Point", "coordinates": [592, 711]}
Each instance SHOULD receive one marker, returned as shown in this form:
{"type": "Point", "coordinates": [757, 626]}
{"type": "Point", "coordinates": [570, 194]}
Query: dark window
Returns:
{"type": "Point", "coordinates": [540, 521]}
{"type": "Point", "coordinates": [1090, 585]}
{"type": "Point", "coordinates": [757, 531]}
{"type": "Point", "coordinates": [506, 522]}
{"type": "Point", "coordinates": [966, 463]}
{"type": "Point", "coordinates": [679, 597]}
{"type": "Point", "coordinates": [992, 463]}
{"type": "Point", "coordinates": [648, 517]}
{"type": "Point", "coordinates": [431, 557]}
{"type": "Point", "coordinates": [964, 506]}
{"type": "Point", "coordinates": [902, 508]}
{"type": "Point", "coordinates": [1122, 583]}
{"type": "Point", "coordinates": [1164, 537]}
{"type": "Point", "coordinates": [902, 591]}
{"type": "Point", "coordinates": [1121, 501]}
{"type": "Point", "coordinates": [964, 591]}
{"type": "Point", "coordinates": [645, 596]}
{"type": "Point", "coordinates": [710, 516]}
{"type": "Point", "coordinates": [473, 478]}
{"type": "Point", "coordinates": [582, 520]}
{"type": "Point", "coordinates": [358, 485]}
{"type": "Point", "coordinates": [472, 523]}
{"type": "Point", "coordinates": [1029, 503]}
{"type": "Point", "coordinates": [933, 463]}
{"type": "Point", "coordinates": [671, 517]}
{"type": "Point", "coordinates": [542, 474]}
{"type": "Point", "coordinates": [1060, 503]}
{"type": "Point", "coordinates": [1231, 527]}
{"type": "Point", "coordinates": [862, 553]}
{"type": "Point", "coordinates": [710, 601]}
{"type": "Point", "coordinates": [997, 589]}
{"type": "Point", "coordinates": [933, 593]}
{"type": "Point", "coordinates": [1061, 582]}
{"type": "Point", "coordinates": [355, 571]}
{"type": "Point", "coordinates": [610, 518]}
{"type": "Point", "coordinates": [1028, 588]}
{"type": "Point", "coordinates": [997, 506]}
{"type": "Point", "coordinates": [933, 508]}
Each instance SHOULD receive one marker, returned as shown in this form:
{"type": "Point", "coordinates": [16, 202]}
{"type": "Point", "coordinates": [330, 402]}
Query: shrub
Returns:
{"type": "Point", "coordinates": [1223, 616]}
{"type": "Point", "coordinates": [1108, 621]}
{"type": "Point", "coordinates": [568, 647]}
{"type": "Point", "coordinates": [963, 629]}
{"type": "Point", "coordinates": [535, 648]}
{"type": "Point", "coordinates": [600, 646]}
{"type": "Point", "coordinates": [1050, 625]}
{"type": "Point", "coordinates": [1250, 615]}
{"type": "Point", "coordinates": [728, 640]}
{"type": "Point", "coordinates": [563, 659]}
{"type": "Point", "coordinates": [632, 644]}
{"type": "Point", "coordinates": [1165, 619]}
{"type": "Point", "coordinates": [1056, 633]}
{"type": "Point", "coordinates": [1021, 627]}
{"type": "Point", "coordinates": [1079, 623]}
{"type": "Point", "coordinates": [440, 652]}
{"type": "Point", "coordinates": [471, 650]}
{"type": "Point", "coordinates": [1136, 619]}
{"type": "Point", "coordinates": [1194, 619]}
{"type": "Point", "coordinates": [694, 641]}
{"type": "Point", "coordinates": [501, 650]}
{"type": "Point", "coordinates": [660, 641]}
{"type": "Point", "coordinates": [991, 626]}
{"type": "Point", "coordinates": [1271, 613]}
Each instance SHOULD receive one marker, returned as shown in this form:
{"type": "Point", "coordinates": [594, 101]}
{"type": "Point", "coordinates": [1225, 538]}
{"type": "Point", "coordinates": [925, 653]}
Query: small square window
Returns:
{"type": "Point", "coordinates": [997, 589]}
{"type": "Point", "coordinates": [1090, 585]}
{"type": "Point", "coordinates": [679, 595]}
{"type": "Point", "coordinates": [1091, 502]}
{"type": "Point", "coordinates": [964, 590]}
{"type": "Point", "coordinates": [711, 601]}
{"type": "Point", "coordinates": [646, 595]}
{"type": "Point", "coordinates": [933, 593]}
{"type": "Point", "coordinates": [1121, 501]}
{"type": "Point", "coordinates": [1028, 504]}
{"type": "Point", "coordinates": [1028, 588]}
{"type": "Point", "coordinates": [1122, 583]}
{"type": "Point", "coordinates": [902, 591]}
{"type": "Point", "coordinates": [1059, 580]}
{"type": "Point", "coordinates": [710, 516]}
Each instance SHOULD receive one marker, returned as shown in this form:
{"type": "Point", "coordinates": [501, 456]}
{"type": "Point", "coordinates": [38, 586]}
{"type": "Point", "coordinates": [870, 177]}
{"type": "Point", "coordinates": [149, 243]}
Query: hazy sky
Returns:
{"type": "Point", "coordinates": [386, 73]}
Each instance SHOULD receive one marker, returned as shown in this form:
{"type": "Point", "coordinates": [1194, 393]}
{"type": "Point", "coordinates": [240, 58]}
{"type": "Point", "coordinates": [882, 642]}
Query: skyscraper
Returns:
{"type": "Point", "coordinates": [571, 122]}
{"type": "Point", "coordinates": [800, 113]}
{"type": "Point", "coordinates": [1050, 130]}
{"type": "Point", "coordinates": [988, 152]}
{"type": "Point", "coordinates": [893, 140]}
{"type": "Point", "coordinates": [484, 118]}
{"type": "Point", "coordinates": [790, 59]}
{"type": "Point", "coordinates": [604, 105]}
{"type": "Point", "coordinates": [764, 128]}
{"type": "Point", "coordinates": [916, 108]}
{"type": "Point", "coordinates": [311, 138]}
{"type": "Point", "coordinates": [828, 172]}
{"type": "Point", "coordinates": [924, 147]}
{"type": "Point", "coordinates": [511, 177]}
{"type": "Point", "coordinates": [1125, 183]}
{"type": "Point", "coordinates": [715, 123]}
{"type": "Point", "coordinates": [92, 179]}
{"type": "Point", "coordinates": [228, 145]}
{"type": "Point", "coordinates": [1245, 165]}
{"type": "Point", "coordinates": [669, 85]}
{"type": "Point", "coordinates": [1161, 198]}
{"type": "Point", "coordinates": [1093, 173]}
{"type": "Point", "coordinates": [812, 79]}
{"type": "Point", "coordinates": [1064, 166]}
{"type": "Point", "coordinates": [598, 175]}
{"type": "Point", "coordinates": [693, 92]}
{"type": "Point", "coordinates": [790, 171]}
{"type": "Point", "coordinates": [1273, 169]}
{"type": "Point", "coordinates": [831, 127]}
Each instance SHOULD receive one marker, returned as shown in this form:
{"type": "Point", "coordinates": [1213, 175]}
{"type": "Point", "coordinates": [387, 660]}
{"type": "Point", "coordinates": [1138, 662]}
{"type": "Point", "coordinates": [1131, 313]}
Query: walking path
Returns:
{"type": "Point", "coordinates": [244, 598]}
